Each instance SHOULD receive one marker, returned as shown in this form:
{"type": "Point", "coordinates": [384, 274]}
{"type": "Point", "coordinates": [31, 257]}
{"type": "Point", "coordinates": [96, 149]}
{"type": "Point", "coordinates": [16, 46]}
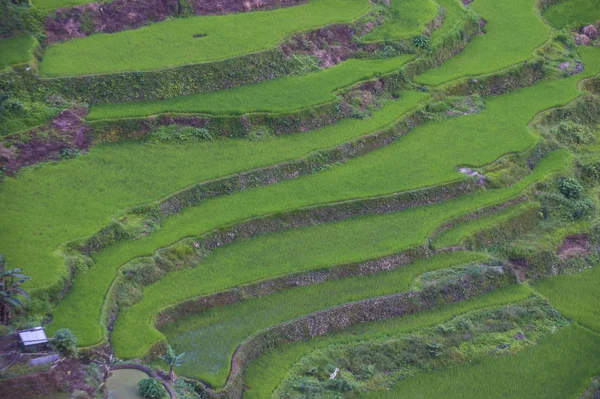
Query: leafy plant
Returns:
{"type": "Point", "coordinates": [151, 388]}
{"type": "Point", "coordinates": [421, 41]}
{"type": "Point", "coordinates": [65, 342]}
{"type": "Point", "coordinates": [10, 290]}
{"type": "Point", "coordinates": [172, 360]}
{"type": "Point", "coordinates": [570, 188]}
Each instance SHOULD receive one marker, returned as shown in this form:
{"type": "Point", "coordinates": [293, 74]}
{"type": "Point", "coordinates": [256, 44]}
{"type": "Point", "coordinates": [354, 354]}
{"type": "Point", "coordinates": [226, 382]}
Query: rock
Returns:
{"type": "Point", "coordinates": [590, 31]}
{"type": "Point", "coordinates": [582, 40]}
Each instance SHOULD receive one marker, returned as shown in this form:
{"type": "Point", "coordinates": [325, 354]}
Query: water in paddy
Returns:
{"type": "Point", "coordinates": [122, 384]}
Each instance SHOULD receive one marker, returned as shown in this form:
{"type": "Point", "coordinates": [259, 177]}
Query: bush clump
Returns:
{"type": "Point", "coordinates": [151, 388]}
{"type": "Point", "coordinates": [570, 188]}
{"type": "Point", "coordinates": [65, 342]}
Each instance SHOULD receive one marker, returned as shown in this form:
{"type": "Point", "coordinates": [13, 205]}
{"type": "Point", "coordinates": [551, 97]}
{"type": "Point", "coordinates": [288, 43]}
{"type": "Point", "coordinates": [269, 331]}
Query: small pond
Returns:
{"type": "Point", "coordinates": [122, 384]}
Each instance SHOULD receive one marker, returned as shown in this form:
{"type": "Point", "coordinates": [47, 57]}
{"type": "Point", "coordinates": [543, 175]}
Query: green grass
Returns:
{"type": "Point", "coordinates": [407, 18]}
{"type": "Point", "coordinates": [426, 156]}
{"type": "Point", "coordinates": [573, 13]}
{"type": "Point", "coordinates": [285, 94]}
{"type": "Point", "coordinates": [513, 31]}
{"type": "Point", "coordinates": [453, 17]}
{"type": "Point", "coordinates": [559, 367]}
{"type": "Point", "coordinates": [53, 4]}
{"type": "Point", "coordinates": [16, 50]}
{"type": "Point", "coordinates": [171, 43]}
{"type": "Point", "coordinates": [209, 338]}
{"type": "Point", "coordinates": [577, 297]}
{"type": "Point", "coordinates": [265, 373]}
{"type": "Point", "coordinates": [63, 199]}
{"type": "Point", "coordinates": [352, 240]}
{"type": "Point", "coordinates": [456, 234]}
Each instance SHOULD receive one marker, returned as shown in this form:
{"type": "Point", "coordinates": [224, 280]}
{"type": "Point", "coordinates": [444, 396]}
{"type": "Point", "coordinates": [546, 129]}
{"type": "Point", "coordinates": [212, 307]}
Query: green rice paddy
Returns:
{"type": "Point", "coordinates": [457, 233]}
{"type": "Point", "coordinates": [210, 338]}
{"type": "Point", "coordinates": [265, 373]}
{"type": "Point", "coordinates": [442, 146]}
{"type": "Point", "coordinates": [577, 297]}
{"type": "Point", "coordinates": [407, 18]}
{"type": "Point", "coordinates": [16, 50]}
{"type": "Point", "coordinates": [173, 40]}
{"type": "Point", "coordinates": [574, 13]}
{"type": "Point", "coordinates": [310, 248]}
{"type": "Point", "coordinates": [512, 31]}
{"type": "Point", "coordinates": [560, 366]}
{"type": "Point", "coordinates": [47, 205]}
{"type": "Point", "coordinates": [280, 95]}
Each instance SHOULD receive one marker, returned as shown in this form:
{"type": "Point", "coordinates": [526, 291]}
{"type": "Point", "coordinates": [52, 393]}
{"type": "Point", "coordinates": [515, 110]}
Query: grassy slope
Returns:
{"type": "Point", "coordinates": [577, 297]}
{"type": "Point", "coordinates": [352, 240]}
{"type": "Point", "coordinates": [285, 94]}
{"type": "Point", "coordinates": [265, 373]}
{"type": "Point", "coordinates": [171, 42]}
{"type": "Point", "coordinates": [408, 17]}
{"type": "Point", "coordinates": [398, 167]}
{"type": "Point", "coordinates": [454, 235]}
{"type": "Point", "coordinates": [209, 338]}
{"type": "Point", "coordinates": [16, 50]}
{"type": "Point", "coordinates": [559, 367]}
{"type": "Point", "coordinates": [573, 12]}
{"type": "Point", "coordinates": [513, 31]}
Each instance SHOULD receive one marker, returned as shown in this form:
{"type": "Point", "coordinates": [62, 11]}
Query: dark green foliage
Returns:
{"type": "Point", "coordinates": [570, 188]}
{"type": "Point", "coordinates": [65, 342]}
{"type": "Point", "coordinates": [421, 41]}
{"type": "Point", "coordinates": [570, 133]}
{"type": "Point", "coordinates": [151, 388]}
{"type": "Point", "coordinates": [10, 291]}
{"type": "Point", "coordinates": [17, 16]}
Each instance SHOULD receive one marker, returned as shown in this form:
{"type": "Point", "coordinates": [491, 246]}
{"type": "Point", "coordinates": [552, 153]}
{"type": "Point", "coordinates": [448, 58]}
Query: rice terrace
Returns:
{"type": "Point", "coordinates": [299, 199]}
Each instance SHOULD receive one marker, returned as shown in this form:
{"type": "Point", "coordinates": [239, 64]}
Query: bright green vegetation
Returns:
{"type": "Point", "coordinates": [441, 146]}
{"type": "Point", "coordinates": [285, 94]}
{"type": "Point", "coordinates": [513, 31]}
{"type": "Point", "coordinates": [559, 367]}
{"type": "Point", "coordinates": [209, 338]}
{"type": "Point", "coordinates": [352, 240]}
{"type": "Point", "coordinates": [406, 18]}
{"type": "Point", "coordinates": [128, 174]}
{"type": "Point", "coordinates": [265, 373]}
{"type": "Point", "coordinates": [577, 297]}
{"type": "Point", "coordinates": [454, 15]}
{"type": "Point", "coordinates": [53, 4]}
{"type": "Point", "coordinates": [456, 234]}
{"type": "Point", "coordinates": [16, 50]}
{"type": "Point", "coordinates": [573, 13]}
{"type": "Point", "coordinates": [172, 43]}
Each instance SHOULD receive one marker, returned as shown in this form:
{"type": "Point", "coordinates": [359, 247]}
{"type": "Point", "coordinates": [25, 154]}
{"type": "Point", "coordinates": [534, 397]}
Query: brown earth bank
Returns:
{"type": "Point", "coordinates": [80, 21]}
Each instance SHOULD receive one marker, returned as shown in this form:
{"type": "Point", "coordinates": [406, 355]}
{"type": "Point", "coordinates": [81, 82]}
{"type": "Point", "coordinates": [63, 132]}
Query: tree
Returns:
{"type": "Point", "coordinates": [10, 291]}
{"type": "Point", "coordinates": [173, 360]}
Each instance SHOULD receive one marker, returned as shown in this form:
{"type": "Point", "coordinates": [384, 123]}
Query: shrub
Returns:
{"type": "Point", "coordinates": [180, 134]}
{"type": "Point", "coordinates": [570, 188]}
{"type": "Point", "coordinates": [569, 132]}
{"type": "Point", "coordinates": [65, 341]}
{"type": "Point", "coordinates": [421, 41]}
{"type": "Point", "coordinates": [151, 388]}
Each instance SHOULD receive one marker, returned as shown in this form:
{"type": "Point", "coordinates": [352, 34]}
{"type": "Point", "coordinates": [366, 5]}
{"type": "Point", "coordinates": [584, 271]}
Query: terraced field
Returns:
{"type": "Point", "coordinates": [352, 198]}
